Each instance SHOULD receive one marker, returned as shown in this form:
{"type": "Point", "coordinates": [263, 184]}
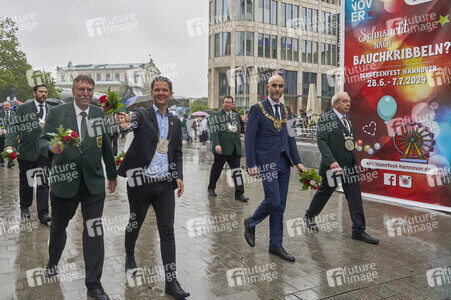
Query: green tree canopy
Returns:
{"type": "Point", "coordinates": [198, 105]}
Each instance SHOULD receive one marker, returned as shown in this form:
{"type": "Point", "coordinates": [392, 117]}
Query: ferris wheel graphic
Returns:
{"type": "Point", "coordinates": [414, 141]}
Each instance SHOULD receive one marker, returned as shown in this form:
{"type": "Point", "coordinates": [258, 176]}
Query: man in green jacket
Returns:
{"type": "Point", "coordinates": [77, 176]}
{"type": "Point", "coordinates": [25, 128]}
{"type": "Point", "coordinates": [226, 136]}
{"type": "Point", "coordinates": [5, 119]}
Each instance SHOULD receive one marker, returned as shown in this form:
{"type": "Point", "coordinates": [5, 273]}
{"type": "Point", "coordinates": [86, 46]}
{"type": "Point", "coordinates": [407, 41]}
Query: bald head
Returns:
{"type": "Point", "coordinates": [275, 87]}
{"type": "Point", "coordinates": [274, 77]}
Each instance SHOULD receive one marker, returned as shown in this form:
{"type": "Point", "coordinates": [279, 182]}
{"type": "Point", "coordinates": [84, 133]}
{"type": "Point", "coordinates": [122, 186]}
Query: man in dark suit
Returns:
{"type": "Point", "coordinates": [25, 128]}
{"type": "Point", "coordinates": [154, 168]}
{"type": "Point", "coordinates": [226, 135]}
{"type": "Point", "coordinates": [5, 119]}
{"type": "Point", "coordinates": [335, 137]}
{"type": "Point", "coordinates": [77, 176]}
{"type": "Point", "coordinates": [271, 152]}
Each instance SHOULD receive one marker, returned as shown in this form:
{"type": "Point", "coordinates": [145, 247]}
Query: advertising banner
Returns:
{"type": "Point", "coordinates": [397, 71]}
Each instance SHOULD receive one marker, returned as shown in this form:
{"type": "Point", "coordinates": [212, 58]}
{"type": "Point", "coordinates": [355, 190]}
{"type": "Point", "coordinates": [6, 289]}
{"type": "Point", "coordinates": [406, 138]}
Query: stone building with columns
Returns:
{"type": "Point", "coordinates": [136, 75]}
{"type": "Point", "coordinates": [250, 40]}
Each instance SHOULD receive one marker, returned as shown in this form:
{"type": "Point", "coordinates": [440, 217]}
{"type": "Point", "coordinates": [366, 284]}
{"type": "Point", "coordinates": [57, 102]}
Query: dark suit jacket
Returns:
{"type": "Point", "coordinates": [87, 163]}
{"type": "Point", "coordinates": [25, 125]}
{"type": "Point", "coordinates": [263, 142]}
{"type": "Point", "coordinates": [331, 142]}
{"type": "Point", "coordinates": [144, 144]}
{"type": "Point", "coordinates": [5, 122]}
{"type": "Point", "coordinates": [221, 135]}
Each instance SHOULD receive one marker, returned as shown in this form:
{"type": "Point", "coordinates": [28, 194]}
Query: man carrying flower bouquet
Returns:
{"type": "Point", "coordinates": [335, 137]}
{"type": "Point", "coordinates": [25, 129]}
{"type": "Point", "coordinates": [82, 158]}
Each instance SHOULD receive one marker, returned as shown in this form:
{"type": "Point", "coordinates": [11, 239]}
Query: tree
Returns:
{"type": "Point", "coordinates": [198, 105]}
{"type": "Point", "coordinates": [14, 68]}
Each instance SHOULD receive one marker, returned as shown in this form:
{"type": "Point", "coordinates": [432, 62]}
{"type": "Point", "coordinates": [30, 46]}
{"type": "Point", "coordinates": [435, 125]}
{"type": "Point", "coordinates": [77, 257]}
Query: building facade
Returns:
{"type": "Point", "coordinates": [136, 75]}
{"type": "Point", "coordinates": [250, 40]}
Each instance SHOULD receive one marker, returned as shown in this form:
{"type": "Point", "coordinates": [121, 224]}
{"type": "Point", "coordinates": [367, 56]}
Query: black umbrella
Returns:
{"type": "Point", "coordinates": [54, 102]}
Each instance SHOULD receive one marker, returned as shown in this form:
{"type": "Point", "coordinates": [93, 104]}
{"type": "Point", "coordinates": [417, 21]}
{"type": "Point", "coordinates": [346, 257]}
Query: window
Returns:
{"type": "Point", "coordinates": [267, 46]}
{"type": "Point", "coordinates": [283, 52]}
{"type": "Point", "coordinates": [136, 77]}
{"type": "Point", "coordinates": [250, 10]}
{"type": "Point", "coordinates": [211, 12]}
{"type": "Point", "coordinates": [295, 50]}
{"type": "Point", "coordinates": [224, 88]}
{"type": "Point", "coordinates": [226, 37]}
{"type": "Point", "coordinates": [309, 52]}
{"type": "Point", "coordinates": [323, 22]}
{"type": "Point", "coordinates": [227, 10]}
{"type": "Point", "coordinates": [267, 11]}
{"type": "Point", "coordinates": [291, 82]}
{"type": "Point", "coordinates": [334, 24]}
{"type": "Point", "coordinates": [218, 5]}
{"type": "Point", "coordinates": [309, 19]}
{"type": "Point", "coordinates": [242, 81]}
{"type": "Point", "coordinates": [315, 20]}
{"type": "Point", "coordinates": [307, 78]}
{"type": "Point", "coordinates": [117, 77]}
{"type": "Point", "coordinates": [260, 45]}
{"type": "Point", "coordinates": [274, 12]}
{"type": "Point", "coordinates": [327, 54]}
{"type": "Point", "coordinates": [274, 46]}
{"type": "Point", "coordinates": [240, 10]}
{"type": "Point", "coordinates": [240, 43]}
{"type": "Point", "coordinates": [260, 11]}
{"type": "Point", "coordinates": [63, 78]}
{"type": "Point", "coordinates": [108, 77]}
{"type": "Point", "coordinates": [249, 43]}
{"type": "Point", "coordinates": [304, 51]}
{"type": "Point", "coordinates": [328, 29]}
{"type": "Point", "coordinates": [323, 54]}
{"type": "Point", "coordinates": [327, 89]}
{"type": "Point", "coordinates": [315, 52]}
{"type": "Point", "coordinates": [295, 16]}
{"type": "Point", "coordinates": [289, 15]}
{"type": "Point", "coordinates": [304, 18]}
{"type": "Point", "coordinates": [289, 49]}
{"type": "Point", "coordinates": [283, 14]}
{"type": "Point", "coordinates": [217, 45]}
{"type": "Point", "coordinates": [99, 77]}
{"type": "Point", "coordinates": [334, 55]}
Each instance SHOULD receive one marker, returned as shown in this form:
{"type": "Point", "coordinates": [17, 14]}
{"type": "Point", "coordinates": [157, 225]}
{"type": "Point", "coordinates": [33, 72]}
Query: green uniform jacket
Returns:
{"type": "Point", "coordinates": [221, 135]}
{"type": "Point", "coordinates": [331, 142]}
{"type": "Point", "coordinates": [25, 125]}
{"type": "Point", "coordinates": [69, 166]}
{"type": "Point", "coordinates": [4, 123]}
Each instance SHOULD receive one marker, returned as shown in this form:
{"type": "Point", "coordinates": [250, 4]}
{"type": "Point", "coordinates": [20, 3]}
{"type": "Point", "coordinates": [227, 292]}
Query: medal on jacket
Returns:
{"type": "Point", "coordinates": [232, 124]}
{"type": "Point", "coordinates": [162, 146]}
{"type": "Point", "coordinates": [277, 123]}
{"type": "Point", "coordinates": [349, 142]}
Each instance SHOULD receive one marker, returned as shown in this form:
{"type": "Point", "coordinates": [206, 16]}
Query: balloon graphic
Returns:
{"type": "Point", "coordinates": [386, 108]}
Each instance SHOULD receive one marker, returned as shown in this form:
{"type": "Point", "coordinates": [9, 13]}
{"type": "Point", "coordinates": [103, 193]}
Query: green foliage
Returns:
{"type": "Point", "coordinates": [110, 103]}
{"type": "Point", "coordinates": [310, 180]}
{"type": "Point", "coordinates": [198, 105]}
{"type": "Point", "coordinates": [65, 137]}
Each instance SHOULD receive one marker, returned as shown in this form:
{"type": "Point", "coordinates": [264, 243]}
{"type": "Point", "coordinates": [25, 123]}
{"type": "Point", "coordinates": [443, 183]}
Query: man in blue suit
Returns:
{"type": "Point", "coordinates": [270, 152]}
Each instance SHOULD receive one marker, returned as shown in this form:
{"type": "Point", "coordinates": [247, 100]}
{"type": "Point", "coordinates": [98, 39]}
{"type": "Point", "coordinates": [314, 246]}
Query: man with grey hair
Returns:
{"type": "Point", "coordinates": [336, 142]}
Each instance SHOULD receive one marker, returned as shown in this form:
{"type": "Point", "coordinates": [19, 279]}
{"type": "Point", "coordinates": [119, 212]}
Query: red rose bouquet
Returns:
{"type": "Point", "coordinates": [9, 154]}
{"type": "Point", "coordinates": [119, 158]}
{"type": "Point", "coordinates": [110, 103]}
{"type": "Point", "coordinates": [66, 138]}
{"type": "Point", "coordinates": [310, 180]}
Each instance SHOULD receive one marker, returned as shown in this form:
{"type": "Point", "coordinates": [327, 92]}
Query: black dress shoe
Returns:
{"type": "Point", "coordinates": [310, 223]}
{"type": "Point", "coordinates": [212, 193]}
{"type": "Point", "coordinates": [25, 212]}
{"type": "Point", "coordinates": [45, 218]}
{"type": "Point", "coordinates": [174, 289]}
{"type": "Point", "coordinates": [364, 237]}
{"type": "Point", "coordinates": [241, 198]}
{"type": "Point", "coordinates": [130, 265]}
{"type": "Point", "coordinates": [98, 294]}
{"type": "Point", "coordinates": [50, 271]}
{"type": "Point", "coordinates": [280, 252]}
{"type": "Point", "coordinates": [249, 233]}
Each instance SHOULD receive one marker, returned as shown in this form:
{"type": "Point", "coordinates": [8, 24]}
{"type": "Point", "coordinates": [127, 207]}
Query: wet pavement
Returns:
{"type": "Point", "coordinates": [413, 261]}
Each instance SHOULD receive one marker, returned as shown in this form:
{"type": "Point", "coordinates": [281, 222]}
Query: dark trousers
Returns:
{"type": "Point", "coordinates": [234, 163]}
{"type": "Point", "coordinates": [353, 195]}
{"type": "Point", "coordinates": [161, 196]}
{"type": "Point", "coordinates": [2, 145]}
{"type": "Point", "coordinates": [114, 139]}
{"type": "Point", "coordinates": [276, 189]}
{"type": "Point", "coordinates": [63, 209]}
{"type": "Point", "coordinates": [40, 170]}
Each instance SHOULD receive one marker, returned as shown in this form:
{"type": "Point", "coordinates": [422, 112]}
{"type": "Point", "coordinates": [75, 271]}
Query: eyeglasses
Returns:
{"type": "Point", "coordinates": [81, 89]}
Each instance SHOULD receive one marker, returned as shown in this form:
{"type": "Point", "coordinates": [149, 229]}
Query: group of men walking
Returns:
{"type": "Point", "coordinates": [155, 154]}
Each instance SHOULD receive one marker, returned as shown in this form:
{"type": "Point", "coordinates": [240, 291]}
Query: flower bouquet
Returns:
{"type": "Point", "coordinates": [118, 159]}
{"type": "Point", "coordinates": [110, 103]}
{"type": "Point", "coordinates": [310, 180]}
{"type": "Point", "coordinates": [66, 138]}
{"type": "Point", "coordinates": [9, 154]}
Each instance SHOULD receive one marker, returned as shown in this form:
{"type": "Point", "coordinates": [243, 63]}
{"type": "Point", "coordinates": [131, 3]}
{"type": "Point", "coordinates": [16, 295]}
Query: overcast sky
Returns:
{"type": "Point", "coordinates": [52, 32]}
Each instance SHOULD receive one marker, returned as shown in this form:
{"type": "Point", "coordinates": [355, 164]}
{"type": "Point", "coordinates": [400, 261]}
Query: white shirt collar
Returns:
{"type": "Point", "coordinates": [272, 101]}
{"type": "Point", "coordinates": [338, 114]}
{"type": "Point", "coordinates": [78, 110]}
{"type": "Point", "coordinates": [37, 104]}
